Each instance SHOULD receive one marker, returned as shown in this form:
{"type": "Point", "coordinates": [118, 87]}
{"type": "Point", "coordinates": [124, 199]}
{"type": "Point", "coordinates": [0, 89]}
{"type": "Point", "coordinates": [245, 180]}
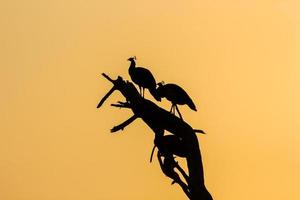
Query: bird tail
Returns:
{"type": "Point", "coordinates": [155, 94]}
{"type": "Point", "coordinates": [192, 105]}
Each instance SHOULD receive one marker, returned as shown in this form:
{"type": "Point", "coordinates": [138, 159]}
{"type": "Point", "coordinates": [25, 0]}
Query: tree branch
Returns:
{"type": "Point", "coordinates": [186, 177]}
{"type": "Point", "coordinates": [106, 96]}
{"type": "Point", "coordinates": [107, 77]}
{"type": "Point", "coordinates": [167, 166]}
{"type": "Point", "coordinates": [121, 105]}
{"type": "Point", "coordinates": [124, 124]}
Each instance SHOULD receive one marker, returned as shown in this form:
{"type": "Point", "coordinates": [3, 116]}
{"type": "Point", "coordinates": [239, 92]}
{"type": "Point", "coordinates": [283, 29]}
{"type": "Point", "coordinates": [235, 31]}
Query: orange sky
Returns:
{"type": "Point", "coordinates": [238, 60]}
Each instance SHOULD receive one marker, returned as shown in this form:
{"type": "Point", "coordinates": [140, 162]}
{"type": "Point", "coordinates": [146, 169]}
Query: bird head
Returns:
{"type": "Point", "coordinates": [160, 89]}
{"type": "Point", "coordinates": [160, 83]}
{"type": "Point", "coordinates": [131, 59]}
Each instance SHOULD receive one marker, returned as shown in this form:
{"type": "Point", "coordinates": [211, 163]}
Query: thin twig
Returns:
{"type": "Point", "coordinates": [186, 177]}
{"type": "Point", "coordinates": [121, 104]}
{"type": "Point", "coordinates": [199, 131]}
{"type": "Point", "coordinates": [106, 96]}
{"type": "Point", "coordinates": [124, 124]}
{"type": "Point", "coordinates": [107, 77]}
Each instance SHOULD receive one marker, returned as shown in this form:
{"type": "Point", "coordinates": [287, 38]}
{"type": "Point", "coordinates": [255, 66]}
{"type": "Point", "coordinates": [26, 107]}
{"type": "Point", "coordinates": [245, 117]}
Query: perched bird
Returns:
{"type": "Point", "coordinates": [176, 95]}
{"type": "Point", "coordinates": [143, 78]}
{"type": "Point", "coordinates": [169, 144]}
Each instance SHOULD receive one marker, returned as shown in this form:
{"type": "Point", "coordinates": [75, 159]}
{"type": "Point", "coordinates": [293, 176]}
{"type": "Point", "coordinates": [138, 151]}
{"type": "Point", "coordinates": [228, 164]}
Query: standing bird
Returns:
{"type": "Point", "coordinates": [176, 95]}
{"type": "Point", "coordinates": [143, 78]}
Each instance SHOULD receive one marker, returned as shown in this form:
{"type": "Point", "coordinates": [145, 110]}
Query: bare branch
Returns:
{"type": "Point", "coordinates": [124, 124]}
{"type": "Point", "coordinates": [107, 77]}
{"type": "Point", "coordinates": [121, 104]}
{"type": "Point", "coordinates": [186, 177]}
{"type": "Point", "coordinates": [199, 131]}
{"type": "Point", "coordinates": [167, 166]}
{"type": "Point", "coordinates": [106, 96]}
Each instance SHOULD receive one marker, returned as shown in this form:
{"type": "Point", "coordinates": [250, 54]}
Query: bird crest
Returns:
{"type": "Point", "coordinates": [161, 83]}
{"type": "Point", "coordinates": [132, 58]}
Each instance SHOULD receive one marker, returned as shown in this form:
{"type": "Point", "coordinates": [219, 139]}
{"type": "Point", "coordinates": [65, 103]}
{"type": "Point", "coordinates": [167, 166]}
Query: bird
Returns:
{"type": "Point", "coordinates": [169, 144]}
{"type": "Point", "coordinates": [176, 95]}
{"type": "Point", "coordinates": [143, 78]}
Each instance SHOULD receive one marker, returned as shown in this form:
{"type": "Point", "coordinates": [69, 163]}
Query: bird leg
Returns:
{"type": "Point", "coordinates": [124, 124]}
{"type": "Point", "coordinates": [143, 92]}
{"type": "Point", "coordinates": [140, 87]}
{"type": "Point", "coordinates": [172, 109]}
{"type": "Point", "coordinates": [106, 96]}
{"type": "Point", "coordinates": [151, 156]}
{"type": "Point", "coordinates": [178, 112]}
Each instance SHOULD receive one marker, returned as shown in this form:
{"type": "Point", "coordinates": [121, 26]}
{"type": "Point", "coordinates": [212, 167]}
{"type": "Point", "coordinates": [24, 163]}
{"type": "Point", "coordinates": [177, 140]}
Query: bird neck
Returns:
{"type": "Point", "coordinates": [132, 65]}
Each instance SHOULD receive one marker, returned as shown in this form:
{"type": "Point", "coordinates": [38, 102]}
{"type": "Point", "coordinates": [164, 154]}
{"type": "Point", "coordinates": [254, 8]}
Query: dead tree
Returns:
{"type": "Point", "coordinates": [159, 120]}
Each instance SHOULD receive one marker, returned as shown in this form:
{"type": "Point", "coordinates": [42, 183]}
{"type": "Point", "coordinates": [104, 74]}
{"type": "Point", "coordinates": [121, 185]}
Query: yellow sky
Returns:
{"type": "Point", "coordinates": [238, 60]}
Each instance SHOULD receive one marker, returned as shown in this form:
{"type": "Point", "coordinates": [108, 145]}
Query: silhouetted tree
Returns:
{"type": "Point", "coordinates": [183, 142]}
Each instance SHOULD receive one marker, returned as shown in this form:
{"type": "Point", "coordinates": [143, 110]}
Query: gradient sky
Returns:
{"type": "Point", "coordinates": [238, 60]}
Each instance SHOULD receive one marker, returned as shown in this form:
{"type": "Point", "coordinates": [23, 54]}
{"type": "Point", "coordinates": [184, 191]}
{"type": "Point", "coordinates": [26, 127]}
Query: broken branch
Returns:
{"type": "Point", "coordinates": [106, 96]}
{"type": "Point", "coordinates": [124, 124]}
